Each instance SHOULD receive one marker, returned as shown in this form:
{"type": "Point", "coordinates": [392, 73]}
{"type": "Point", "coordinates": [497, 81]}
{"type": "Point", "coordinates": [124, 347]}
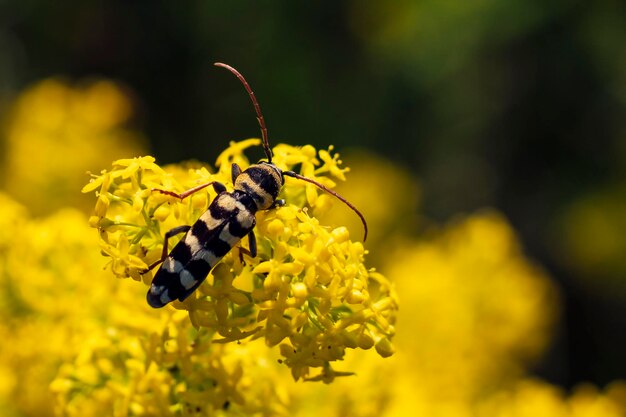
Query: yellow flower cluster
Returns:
{"type": "Point", "coordinates": [63, 130]}
{"type": "Point", "coordinates": [490, 304]}
{"type": "Point", "coordinates": [482, 309]}
{"type": "Point", "coordinates": [84, 344]}
{"type": "Point", "coordinates": [142, 363]}
{"type": "Point", "coordinates": [50, 289]}
{"type": "Point", "coordinates": [532, 398]}
{"type": "Point", "coordinates": [78, 343]}
{"type": "Point", "coordinates": [475, 314]}
{"type": "Point", "coordinates": [307, 291]}
{"type": "Point", "coordinates": [105, 353]}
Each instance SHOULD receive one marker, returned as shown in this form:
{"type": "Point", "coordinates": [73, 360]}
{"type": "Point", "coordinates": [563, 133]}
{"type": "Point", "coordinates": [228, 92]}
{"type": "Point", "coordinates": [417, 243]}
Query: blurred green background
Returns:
{"type": "Point", "coordinates": [517, 105]}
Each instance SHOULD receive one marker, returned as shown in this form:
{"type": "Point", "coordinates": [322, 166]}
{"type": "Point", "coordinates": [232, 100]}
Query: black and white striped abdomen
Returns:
{"type": "Point", "coordinates": [216, 232]}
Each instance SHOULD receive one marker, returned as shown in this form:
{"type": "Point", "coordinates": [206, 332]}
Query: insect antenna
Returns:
{"type": "Point", "coordinates": [257, 109]}
{"type": "Point", "coordinates": [334, 193]}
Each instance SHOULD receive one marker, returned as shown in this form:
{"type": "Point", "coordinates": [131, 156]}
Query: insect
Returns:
{"type": "Point", "coordinates": [229, 218]}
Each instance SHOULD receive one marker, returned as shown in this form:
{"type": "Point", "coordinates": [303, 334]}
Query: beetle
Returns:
{"type": "Point", "coordinates": [229, 218]}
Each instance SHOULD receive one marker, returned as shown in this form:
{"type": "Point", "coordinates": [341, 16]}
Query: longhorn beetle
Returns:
{"type": "Point", "coordinates": [228, 219]}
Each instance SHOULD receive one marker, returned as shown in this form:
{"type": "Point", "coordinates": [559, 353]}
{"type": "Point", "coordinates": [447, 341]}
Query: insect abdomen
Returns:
{"type": "Point", "coordinates": [217, 231]}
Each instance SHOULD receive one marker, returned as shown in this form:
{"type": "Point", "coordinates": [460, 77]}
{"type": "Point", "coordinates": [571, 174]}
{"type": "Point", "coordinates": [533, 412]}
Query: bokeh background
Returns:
{"type": "Point", "coordinates": [518, 106]}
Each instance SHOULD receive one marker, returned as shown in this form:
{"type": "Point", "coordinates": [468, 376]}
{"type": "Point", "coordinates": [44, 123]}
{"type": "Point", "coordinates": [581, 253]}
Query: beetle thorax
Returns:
{"type": "Point", "coordinates": [262, 182]}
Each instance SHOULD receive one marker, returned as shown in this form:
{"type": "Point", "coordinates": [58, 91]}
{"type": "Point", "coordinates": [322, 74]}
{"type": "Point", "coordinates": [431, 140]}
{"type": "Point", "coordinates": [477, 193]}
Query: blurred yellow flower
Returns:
{"type": "Point", "coordinates": [476, 312]}
{"type": "Point", "coordinates": [533, 398]}
{"type": "Point", "coordinates": [55, 133]}
{"type": "Point", "coordinates": [50, 288]}
{"type": "Point", "coordinates": [482, 309]}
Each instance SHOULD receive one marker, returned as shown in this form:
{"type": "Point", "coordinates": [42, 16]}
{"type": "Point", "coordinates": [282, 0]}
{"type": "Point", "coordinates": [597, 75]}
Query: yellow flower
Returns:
{"type": "Point", "coordinates": [475, 314]}
{"type": "Point", "coordinates": [167, 369]}
{"type": "Point", "coordinates": [307, 291]}
{"type": "Point", "coordinates": [482, 309]}
{"type": "Point", "coordinates": [55, 133]}
{"type": "Point", "coordinates": [81, 344]}
{"type": "Point", "coordinates": [530, 398]}
{"type": "Point", "coordinates": [51, 288]}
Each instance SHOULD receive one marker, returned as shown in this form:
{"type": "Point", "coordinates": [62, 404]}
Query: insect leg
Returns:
{"type": "Point", "coordinates": [253, 249]}
{"type": "Point", "coordinates": [217, 186]}
{"type": "Point", "coordinates": [171, 233]}
{"type": "Point", "coordinates": [252, 243]}
{"type": "Point", "coordinates": [235, 170]}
